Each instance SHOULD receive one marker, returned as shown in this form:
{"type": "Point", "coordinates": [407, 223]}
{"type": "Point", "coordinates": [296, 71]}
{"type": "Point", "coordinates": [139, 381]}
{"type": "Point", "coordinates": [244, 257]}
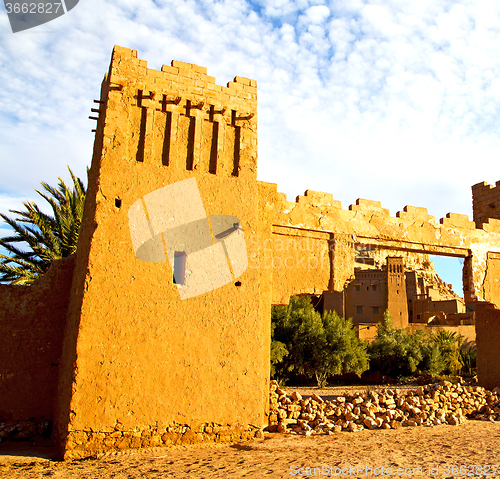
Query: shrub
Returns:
{"type": "Point", "coordinates": [468, 358]}
{"type": "Point", "coordinates": [449, 344]}
{"type": "Point", "coordinates": [317, 346]}
{"type": "Point", "coordinates": [395, 352]}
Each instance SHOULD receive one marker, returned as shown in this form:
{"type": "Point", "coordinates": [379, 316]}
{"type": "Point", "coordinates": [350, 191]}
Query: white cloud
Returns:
{"type": "Point", "coordinates": [391, 101]}
{"type": "Point", "coordinates": [318, 13]}
{"type": "Point", "coordinates": [8, 203]}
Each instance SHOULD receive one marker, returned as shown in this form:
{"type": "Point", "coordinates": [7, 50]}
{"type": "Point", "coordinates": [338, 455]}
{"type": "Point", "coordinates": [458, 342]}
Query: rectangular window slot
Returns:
{"type": "Point", "coordinates": [190, 146]}
{"type": "Point", "coordinates": [180, 267]}
{"type": "Point", "coordinates": [236, 155]}
{"type": "Point", "coordinates": [165, 154]}
{"type": "Point", "coordinates": [212, 168]}
{"type": "Point", "coordinates": [142, 136]}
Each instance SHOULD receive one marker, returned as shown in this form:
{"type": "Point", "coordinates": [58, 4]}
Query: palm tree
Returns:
{"type": "Point", "coordinates": [449, 343]}
{"type": "Point", "coordinates": [48, 237]}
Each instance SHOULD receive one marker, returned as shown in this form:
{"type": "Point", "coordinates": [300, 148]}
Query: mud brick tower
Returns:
{"type": "Point", "coordinates": [396, 292]}
{"type": "Point", "coordinates": [144, 365]}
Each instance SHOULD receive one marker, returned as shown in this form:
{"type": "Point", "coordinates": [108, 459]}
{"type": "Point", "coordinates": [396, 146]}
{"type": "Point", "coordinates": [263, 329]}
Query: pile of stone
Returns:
{"type": "Point", "coordinates": [23, 430]}
{"type": "Point", "coordinates": [434, 404]}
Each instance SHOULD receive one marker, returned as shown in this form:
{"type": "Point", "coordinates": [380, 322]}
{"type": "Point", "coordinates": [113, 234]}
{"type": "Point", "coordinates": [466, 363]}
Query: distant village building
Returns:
{"type": "Point", "coordinates": [409, 298]}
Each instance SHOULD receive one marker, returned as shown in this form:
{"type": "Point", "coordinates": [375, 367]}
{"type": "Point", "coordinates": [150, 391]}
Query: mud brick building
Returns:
{"type": "Point", "coordinates": [158, 331]}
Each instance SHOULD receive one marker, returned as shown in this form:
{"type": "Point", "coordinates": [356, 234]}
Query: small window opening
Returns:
{"type": "Point", "coordinates": [374, 288]}
{"type": "Point", "coordinates": [359, 309]}
{"type": "Point", "coordinates": [358, 288]}
{"type": "Point", "coordinates": [180, 267]}
{"type": "Point", "coordinates": [118, 202]}
{"type": "Point", "coordinates": [375, 310]}
{"type": "Point", "coordinates": [238, 283]}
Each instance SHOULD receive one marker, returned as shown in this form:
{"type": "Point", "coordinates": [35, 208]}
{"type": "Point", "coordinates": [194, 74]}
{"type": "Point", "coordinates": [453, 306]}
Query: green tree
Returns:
{"type": "Point", "coordinates": [278, 352]}
{"type": "Point", "coordinates": [285, 322]}
{"type": "Point", "coordinates": [341, 351]}
{"type": "Point", "coordinates": [449, 344]}
{"type": "Point", "coordinates": [316, 346]}
{"type": "Point", "coordinates": [468, 358]}
{"type": "Point", "coordinates": [48, 237]}
{"type": "Point", "coordinates": [433, 361]}
{"type": "Point", "coordinates": [309, 345]}
{"type": "Point", "coordinates": [396, 352]}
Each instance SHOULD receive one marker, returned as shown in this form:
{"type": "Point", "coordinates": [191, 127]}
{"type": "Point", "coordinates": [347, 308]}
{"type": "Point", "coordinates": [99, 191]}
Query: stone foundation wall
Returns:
{"type": "Point", "coordinates": [25, 430]}
{"type": "Point", "coordinates": [82, 444]}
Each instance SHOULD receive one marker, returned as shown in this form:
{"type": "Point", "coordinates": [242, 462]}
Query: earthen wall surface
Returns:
{"type": "Point", "coordinates": [487, 342]}
{"type": "Point", "coordinates": [32, 321]}
{"type": "Point", "coordinates": [334, 301]}
{"type": "Point", "coordinates": [468, 332]}
{"type": "Point", "coordinates": [138, 359]}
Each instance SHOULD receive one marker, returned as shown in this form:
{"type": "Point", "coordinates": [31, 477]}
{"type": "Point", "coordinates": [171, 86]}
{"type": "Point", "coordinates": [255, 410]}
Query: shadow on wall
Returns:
{"type": "Point", "coordinates": [32, 321]}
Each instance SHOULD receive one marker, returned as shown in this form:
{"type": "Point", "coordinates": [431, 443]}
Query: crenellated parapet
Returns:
{"type": "Point", "coordinates": [317, 198]}
{"type": "Point", "coordinates": [368, 224]}
{"type": "Point", "coordinates": [458, 221]}
{"type": "Point", "coordinates": [415, 213]}
{"type": "Point", "coordinates": [368, 206]}
{"type": "Point", "coordinates": [368, 217]}
{"type": "Point", "coordinates": [179, 117]}
{"type": "Point", "coordinates": [485, 202]}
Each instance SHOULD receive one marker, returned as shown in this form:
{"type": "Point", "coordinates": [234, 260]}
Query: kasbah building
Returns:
{"type": "Point", "coordinates": [157, 331]}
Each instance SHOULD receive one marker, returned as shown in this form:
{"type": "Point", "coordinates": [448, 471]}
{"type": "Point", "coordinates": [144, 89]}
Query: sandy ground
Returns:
{"type": "Point", "coordinates": [407, 452]}
{"type": "Point", "coordinates": [435, 450]}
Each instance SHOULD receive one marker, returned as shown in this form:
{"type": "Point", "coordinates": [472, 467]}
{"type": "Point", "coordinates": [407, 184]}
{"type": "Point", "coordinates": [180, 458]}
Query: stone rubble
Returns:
{"type": "Point", "coordinates": [24, 430]}
{"type": "Point", "coordinates": [431, 405]}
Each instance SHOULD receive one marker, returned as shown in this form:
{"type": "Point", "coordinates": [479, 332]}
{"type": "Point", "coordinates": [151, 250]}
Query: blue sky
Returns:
{"type": "Point", "coordinates": [396, 101]}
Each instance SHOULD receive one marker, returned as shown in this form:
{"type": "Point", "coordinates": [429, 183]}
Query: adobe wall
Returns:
{"type": "Point", "coordinates": [467, 331]}
{"type": "Point", "coordinates": [32, 320]}
{"type": "Point", "coordinates": [487, 342]}
{"type": "Point", "coordinates": [367, 223]}
{"type": "Point", "coordinates": [141, 365]}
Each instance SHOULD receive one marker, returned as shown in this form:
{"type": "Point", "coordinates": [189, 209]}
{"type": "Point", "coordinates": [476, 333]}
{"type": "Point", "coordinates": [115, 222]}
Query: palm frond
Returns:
{"type": "Point", "coordinates": [48, 237]}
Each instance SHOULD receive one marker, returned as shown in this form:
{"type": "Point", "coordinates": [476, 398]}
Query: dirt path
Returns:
{"type": "Point", "coordinates": [278, 456]}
